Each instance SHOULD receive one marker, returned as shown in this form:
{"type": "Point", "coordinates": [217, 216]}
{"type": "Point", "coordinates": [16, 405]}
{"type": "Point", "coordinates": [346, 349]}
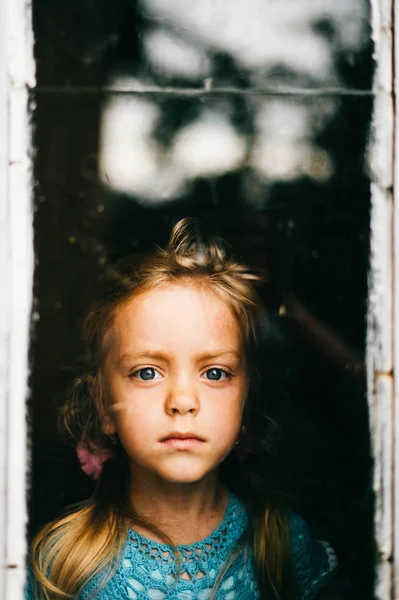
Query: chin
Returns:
{"type": "Point", "coordinates": [180, 479]}
{"type": "Point", "coordinates": [185, 472]}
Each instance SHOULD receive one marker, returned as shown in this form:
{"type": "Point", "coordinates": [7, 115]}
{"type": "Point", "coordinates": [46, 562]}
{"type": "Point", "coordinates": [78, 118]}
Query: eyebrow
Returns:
{"type": "Point", "coordinates": [141, 354]}
{"type": "Point", "coordinates": [219, 353]}
{"type": "Point", "coordinates": [158, 354]}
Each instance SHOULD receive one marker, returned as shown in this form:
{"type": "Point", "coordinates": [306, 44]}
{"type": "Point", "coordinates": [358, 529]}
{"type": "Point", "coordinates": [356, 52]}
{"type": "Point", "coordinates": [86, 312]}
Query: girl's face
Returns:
{"type": "Point", "coordinates": [175, 380]}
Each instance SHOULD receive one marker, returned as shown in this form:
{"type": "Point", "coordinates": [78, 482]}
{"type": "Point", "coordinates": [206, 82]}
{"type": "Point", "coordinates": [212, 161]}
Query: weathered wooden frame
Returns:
{"type": "Point", "coordinates": [382, 350]}
{"type": "Point", "coordinates": [17, 74]}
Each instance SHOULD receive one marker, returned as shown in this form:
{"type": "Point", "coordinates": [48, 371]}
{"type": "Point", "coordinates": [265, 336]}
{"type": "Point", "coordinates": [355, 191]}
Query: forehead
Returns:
{"type": "Point", "coordinates": [177, 311]}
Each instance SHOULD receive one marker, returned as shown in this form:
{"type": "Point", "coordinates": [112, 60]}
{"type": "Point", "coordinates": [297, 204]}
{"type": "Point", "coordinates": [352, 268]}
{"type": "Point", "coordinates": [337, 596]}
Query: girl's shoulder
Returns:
{"type": "Point", "coordinates": [314, 560]}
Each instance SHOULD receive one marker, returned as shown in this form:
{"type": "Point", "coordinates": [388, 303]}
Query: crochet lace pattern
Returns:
{"type": "Point", "coordinates": [150, 571]}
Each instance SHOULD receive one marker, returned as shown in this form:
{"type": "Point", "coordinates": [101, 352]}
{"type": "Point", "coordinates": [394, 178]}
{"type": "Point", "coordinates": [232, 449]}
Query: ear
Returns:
{"type": "Point", "coordinates": [107, 422]}
{"type": "Point", "coordinates": [107, 425]}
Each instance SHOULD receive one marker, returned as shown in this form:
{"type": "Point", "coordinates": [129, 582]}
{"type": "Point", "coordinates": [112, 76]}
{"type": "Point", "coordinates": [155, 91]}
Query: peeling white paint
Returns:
{"type": "Point", "coordinates": [4, 269]}
{"type": "Point", "coordinates": [17, 72]}
{"type": "Point", "coordinates": [396, 322]}
{"type": "Point", "coordinates": [380, 337]}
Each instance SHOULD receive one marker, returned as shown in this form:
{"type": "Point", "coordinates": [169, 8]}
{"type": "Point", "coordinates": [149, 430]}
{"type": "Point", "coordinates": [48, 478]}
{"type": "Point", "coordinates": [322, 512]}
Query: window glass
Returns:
{"type": "Point", "coordinates": [253, 116]}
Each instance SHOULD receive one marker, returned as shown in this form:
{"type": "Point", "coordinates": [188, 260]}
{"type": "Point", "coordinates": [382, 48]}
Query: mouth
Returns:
{"type": "Point", "coordinates": [182, 440]}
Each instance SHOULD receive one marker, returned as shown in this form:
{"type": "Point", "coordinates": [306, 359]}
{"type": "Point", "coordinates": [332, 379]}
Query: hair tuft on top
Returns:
{"type": "Point", "coordinates": [191, 248]}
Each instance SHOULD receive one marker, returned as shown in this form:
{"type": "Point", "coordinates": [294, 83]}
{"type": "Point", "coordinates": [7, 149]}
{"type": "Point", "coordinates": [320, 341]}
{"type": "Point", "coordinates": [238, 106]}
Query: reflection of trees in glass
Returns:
{"type": "Point", "coordinates": [151, 155]}
{"type": "Point", "coordinates": [288, 40]}
{"type": "Point", "coordinates": [154, 149]}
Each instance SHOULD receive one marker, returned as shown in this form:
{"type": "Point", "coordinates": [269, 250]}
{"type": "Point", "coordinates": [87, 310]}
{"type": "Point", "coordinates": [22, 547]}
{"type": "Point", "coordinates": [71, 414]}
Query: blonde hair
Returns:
{"type": "Point", "coordinates": [69, 552]}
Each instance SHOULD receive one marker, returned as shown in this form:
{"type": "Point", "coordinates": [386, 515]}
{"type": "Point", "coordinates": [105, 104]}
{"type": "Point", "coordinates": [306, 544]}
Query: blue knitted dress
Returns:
{"type": "Point", "coordinates": [148, 570]}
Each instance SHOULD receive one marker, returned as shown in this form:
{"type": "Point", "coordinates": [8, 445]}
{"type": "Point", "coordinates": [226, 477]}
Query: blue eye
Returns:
{"type": "Point", "coordinates": [215, 374]}
{"type": "Point", "coordinates": [146, 374]}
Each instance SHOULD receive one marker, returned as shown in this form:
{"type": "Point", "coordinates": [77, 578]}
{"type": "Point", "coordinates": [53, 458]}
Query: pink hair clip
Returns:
{"type": "Point", "coordinates": [90, 462]}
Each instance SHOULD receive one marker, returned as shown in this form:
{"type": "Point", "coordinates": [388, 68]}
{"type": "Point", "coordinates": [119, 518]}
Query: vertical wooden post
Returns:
{"type": "Point", "coordinates": [16, 266]}
{"type": "Point", "coordinates": [380, 338]}
{"type": "Point", "coordinates": [396, 309]}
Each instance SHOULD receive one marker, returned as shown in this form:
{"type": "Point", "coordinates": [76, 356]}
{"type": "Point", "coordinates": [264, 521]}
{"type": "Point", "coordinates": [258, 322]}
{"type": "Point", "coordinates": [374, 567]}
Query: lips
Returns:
{"type": "Point", "coordinates": [182, 440]}
{"type": "Point", "coordinates": [179, 435]}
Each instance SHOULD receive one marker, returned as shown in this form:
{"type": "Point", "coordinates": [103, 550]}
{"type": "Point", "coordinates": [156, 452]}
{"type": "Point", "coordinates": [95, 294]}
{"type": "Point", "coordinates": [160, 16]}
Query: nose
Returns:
{"type": "Point", "coordinates": [182, 397]}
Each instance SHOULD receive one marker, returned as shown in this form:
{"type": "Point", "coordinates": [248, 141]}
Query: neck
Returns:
{"type": "Point", "coordinates": [184, 512]}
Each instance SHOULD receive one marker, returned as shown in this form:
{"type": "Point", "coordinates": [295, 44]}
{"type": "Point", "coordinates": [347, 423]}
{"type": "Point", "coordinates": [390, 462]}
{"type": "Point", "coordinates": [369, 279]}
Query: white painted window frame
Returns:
{"type": "Point", "coordinates": [17, 74]}
{"type": "Point", "coordinates": [383, 312]}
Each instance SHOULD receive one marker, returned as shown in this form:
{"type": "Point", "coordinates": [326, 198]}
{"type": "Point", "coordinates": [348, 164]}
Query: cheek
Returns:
{"type": "Point", "coordinates": [134, 432]}
{"type": "Point", "coordinates": [132, 418]}
{"type": "Point", "coordinates": [136, 418]}
{"type": "Point", "coordinates": [225, 415]}
{"type": "Point", "coordinates": [124, 404]}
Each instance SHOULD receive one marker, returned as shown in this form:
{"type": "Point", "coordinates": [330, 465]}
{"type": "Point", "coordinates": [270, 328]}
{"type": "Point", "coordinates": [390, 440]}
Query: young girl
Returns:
{"type": "Point", "coordinates": [183, 508]}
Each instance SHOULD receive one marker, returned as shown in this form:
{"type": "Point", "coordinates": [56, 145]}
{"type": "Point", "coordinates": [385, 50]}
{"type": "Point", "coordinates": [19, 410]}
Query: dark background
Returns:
{"type": "Point", "coordinates": [312, 235]}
